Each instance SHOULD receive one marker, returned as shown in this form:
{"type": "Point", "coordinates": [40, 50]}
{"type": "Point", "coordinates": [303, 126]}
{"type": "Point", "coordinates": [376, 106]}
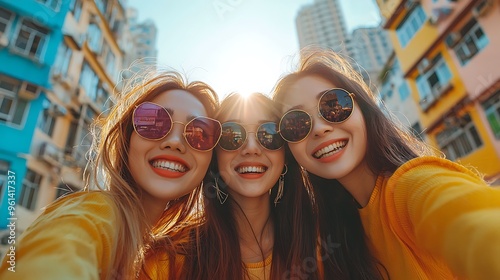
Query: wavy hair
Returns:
{"type": "Point", "coordinates": [218, 251]}
{"type": "Point", "coordinates": [110, 172]}
{"type": "Point", "coordinates": [389, 147]}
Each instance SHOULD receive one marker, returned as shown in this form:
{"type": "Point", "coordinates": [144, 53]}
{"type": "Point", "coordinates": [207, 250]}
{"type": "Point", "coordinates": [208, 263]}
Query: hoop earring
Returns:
{"type": "Point", "coordinates": [221, 196]}
{"type": "Point", "coordinates": [281, 185]}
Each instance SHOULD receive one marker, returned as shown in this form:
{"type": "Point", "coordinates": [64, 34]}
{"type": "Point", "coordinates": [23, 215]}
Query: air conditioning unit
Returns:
{"type": "Point", "coordinates": [482, 8]}
{"type": "Point", "coordinates": [56, 110]}
{"type": "Point", "coordinates": [4, 41]}
{"type": "Point", "coordinates": [452, 39]}
{"type": "Point", "coordinates": [29, 91]}
{"type": "Point", "coordinates": [50, 154]}
{"type": "Point", "coordinates": [411, 3]}
{"type": "Point", "coordinates": [427, 101]}
{"type": "Point", "coordinates": [433, 19]}
{"type": "Point", "coordinates": [423, 66]}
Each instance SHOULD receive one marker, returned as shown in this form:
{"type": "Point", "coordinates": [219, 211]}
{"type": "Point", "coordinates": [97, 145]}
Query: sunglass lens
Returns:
{"type": "Point", "coordinates": [233, 136]}
{"type": "Point", "coordinates": [202, 133]}
{"type": "Point", "coordinates": [151, 121]}
{"type": "Point", "coordinates": [295, 126]}
{"type": "Point", "coordinates": [336, 105]}
{"type": "Point", "coordinates": [269, 137]}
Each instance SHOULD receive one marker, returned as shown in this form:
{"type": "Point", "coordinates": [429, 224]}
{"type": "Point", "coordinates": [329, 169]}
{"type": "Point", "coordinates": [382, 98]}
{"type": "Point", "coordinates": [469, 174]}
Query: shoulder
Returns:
{"type": "Point", "coordinates": [436, 168]}
{"type": "Point", "coordinates": [93, 206]}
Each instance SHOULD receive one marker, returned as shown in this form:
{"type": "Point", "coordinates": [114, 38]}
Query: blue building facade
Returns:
{"type": "Point", "coordinates": [30, 35]}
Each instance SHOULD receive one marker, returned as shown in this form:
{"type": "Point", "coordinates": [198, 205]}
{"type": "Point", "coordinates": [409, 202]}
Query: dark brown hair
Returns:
{"type": "Point", "coordinates": [218, 253]}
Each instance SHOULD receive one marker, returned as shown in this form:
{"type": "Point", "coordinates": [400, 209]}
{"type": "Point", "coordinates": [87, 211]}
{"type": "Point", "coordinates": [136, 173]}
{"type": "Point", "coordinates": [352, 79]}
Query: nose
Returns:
{"type": "Point", "coordinates": [251, 146]}
{"type": "Point", "coordinates": [320, 127]}
{"type": "Point", "coordinates": [174, 139]}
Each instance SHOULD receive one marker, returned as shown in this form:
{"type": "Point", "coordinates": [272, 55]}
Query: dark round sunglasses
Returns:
{"type": "Point", "coordinates": [334, 106]}
{"type": "Point", "coordinates": [153, 122]}
{"type": "Point", "coordinates": [234, 136]}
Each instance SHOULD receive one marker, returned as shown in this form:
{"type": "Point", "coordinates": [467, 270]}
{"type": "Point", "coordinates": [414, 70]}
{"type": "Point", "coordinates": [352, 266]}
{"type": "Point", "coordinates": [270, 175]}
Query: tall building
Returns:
{"type": "Point", "coordinates": [141, 41]}
{"type": "Point", "coordinates": [446, 49]}
{"type": "Point", "coordinates": [322, 23]}
{"type": "Point", "coordinates": [30, 35]}
{"type": "Point", "coordinates": [370, 48]}
{"type": "Point", "coordinates": [62, 64]}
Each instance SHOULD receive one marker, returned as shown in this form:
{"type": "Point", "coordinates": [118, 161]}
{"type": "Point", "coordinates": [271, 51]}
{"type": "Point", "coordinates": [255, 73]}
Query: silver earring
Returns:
{"type": "Point", "coordinates": [281, 185]}
{"type": "Point", "coordinates": [222, 196]}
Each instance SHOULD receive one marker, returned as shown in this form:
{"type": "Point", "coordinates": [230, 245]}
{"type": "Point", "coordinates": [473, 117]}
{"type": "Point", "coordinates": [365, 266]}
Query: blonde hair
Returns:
{"type": "Point", "coordinates": [110, 172]}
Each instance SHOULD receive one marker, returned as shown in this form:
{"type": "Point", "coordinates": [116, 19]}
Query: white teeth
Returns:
{"type": "Point", "coordinates": [251, 169]}
{"type": "Point", "coordinates": [165, 164]}
{"type": "Point", "coordinates": [330, 149]}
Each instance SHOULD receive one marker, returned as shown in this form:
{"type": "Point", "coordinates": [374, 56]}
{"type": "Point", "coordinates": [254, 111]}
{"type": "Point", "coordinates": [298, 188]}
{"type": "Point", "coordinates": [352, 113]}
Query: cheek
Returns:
{"type": "Point", "coordinates": [299, 151]}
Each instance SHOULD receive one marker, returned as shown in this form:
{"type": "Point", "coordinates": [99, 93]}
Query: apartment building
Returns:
{"type": "Point", "coordinates": [446, 49]}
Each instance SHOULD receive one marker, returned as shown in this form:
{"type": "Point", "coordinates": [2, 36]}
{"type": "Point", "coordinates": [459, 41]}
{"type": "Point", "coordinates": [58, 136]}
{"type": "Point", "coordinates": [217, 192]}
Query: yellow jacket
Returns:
{"type": "Point", "coordinates": [72, 239]}
{"type": "Point", "coordinates": [434, 219]}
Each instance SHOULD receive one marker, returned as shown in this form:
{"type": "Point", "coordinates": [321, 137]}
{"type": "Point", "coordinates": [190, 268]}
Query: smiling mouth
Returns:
{"type": "Point", "coordinates": [169, 165]}
{"type": "Point", "coordinates": [330, 149]}
{"type": "Point", "coordinates": [250, 169]}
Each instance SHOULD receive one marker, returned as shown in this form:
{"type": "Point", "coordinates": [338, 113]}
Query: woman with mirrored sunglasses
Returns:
{"type": "Point", "coordinates": [149, 157]}
{"type": "Point", "coordinates": [258, 221]}
{"type": "Point", "coordinates": [397, 210]}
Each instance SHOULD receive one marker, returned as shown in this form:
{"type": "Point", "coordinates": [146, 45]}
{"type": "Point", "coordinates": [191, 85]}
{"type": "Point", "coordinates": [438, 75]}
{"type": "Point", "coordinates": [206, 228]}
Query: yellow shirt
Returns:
{"type": "Point", "coordinates": [156, 267]}
{"type": "Point", "coordinates": [434, 219]}
{"type": "Point", "coordinates": [72, 239]}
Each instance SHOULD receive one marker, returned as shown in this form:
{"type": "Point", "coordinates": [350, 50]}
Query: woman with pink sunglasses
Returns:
{"type": "Point", "coordinates": [150, 156]}
{"type": "Point", "coordinates": [398, 211]}
{"type": "Point", "coordinates": [257, 218]}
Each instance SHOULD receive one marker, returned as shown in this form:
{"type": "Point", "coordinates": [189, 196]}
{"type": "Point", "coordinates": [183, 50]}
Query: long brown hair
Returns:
{"type": "Point", "coordinates": [217, 253]}
{"type": "Point", "coordinates": [111, 173]}
{"type": "Point", "coordinates": [389, 147]}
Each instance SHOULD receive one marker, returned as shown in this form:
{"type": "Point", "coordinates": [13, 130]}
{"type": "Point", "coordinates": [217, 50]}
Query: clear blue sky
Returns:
{"type": "Point", "coordinates": [235, 45]}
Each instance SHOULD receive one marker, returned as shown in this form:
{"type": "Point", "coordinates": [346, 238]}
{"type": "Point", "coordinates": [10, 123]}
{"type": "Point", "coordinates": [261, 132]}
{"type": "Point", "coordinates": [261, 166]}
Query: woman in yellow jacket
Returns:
{"type": "Point", "coordinates": [421, 216]}
{"type": "Point", "coordinates": [151, 154]}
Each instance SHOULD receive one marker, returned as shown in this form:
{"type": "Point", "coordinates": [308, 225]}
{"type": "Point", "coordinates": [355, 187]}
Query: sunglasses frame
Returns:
{"type": "Point", "coordinates": [184, 133]}
{"type": "Point", "coordinates": [254, 132]}
{"type": "Point", "coordinates": [350, 94]}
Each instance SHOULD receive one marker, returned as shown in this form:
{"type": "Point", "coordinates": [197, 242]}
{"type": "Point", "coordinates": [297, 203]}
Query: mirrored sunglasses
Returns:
{"type": "Point", "coordinates": [234, 136]}
{"type": "Point", "coordinates": [334, 106]}
{"type": "Point", "coordinates": [153, 122]}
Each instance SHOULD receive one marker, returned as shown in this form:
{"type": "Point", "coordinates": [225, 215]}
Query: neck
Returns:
{"type": "Point", "coordinates": [152, 210]}
{"type": "Point", "coordinates": [360, 184]}
{"type": "Point", "coordinates": [255, 228]}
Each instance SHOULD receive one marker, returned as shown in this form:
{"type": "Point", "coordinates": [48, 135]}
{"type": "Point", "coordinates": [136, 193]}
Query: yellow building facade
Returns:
{"type": "Point", "coordinates": [446, 49]}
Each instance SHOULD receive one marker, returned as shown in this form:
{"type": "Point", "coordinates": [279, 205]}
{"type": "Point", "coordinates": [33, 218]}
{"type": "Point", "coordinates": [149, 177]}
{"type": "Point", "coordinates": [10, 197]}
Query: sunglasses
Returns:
{"type": "Point", "coordinates": [334, 106]}
{"type": "Point", "coordinates": [153, 122]}
{"type": "Point", "coordinates": [234, 136]}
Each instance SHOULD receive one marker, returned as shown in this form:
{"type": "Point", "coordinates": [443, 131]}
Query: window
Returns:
{"type": "Point", "coordinates": [492, 109]}
{"type": "Point", "coordinates": [29, 192]}
{"type": "Point", "coordinates": [473, 40]}
{"type": "Point", "coordinates": [61, 65]}
{"type": "Point", "coordinates": [410, 25]}
{"type": "Point", "coordinates": [94, 37]}
{"type": "Point", "coordinates": [4, 169]}
{"type": "Point", "coordinates": [47, 119]}
{"type": "Point", "coordinates": [404, 91]}
{"type": "Point", "coordinates": [79, 139]}
{"type": "Point", "coordinates": [64, 189]}
{"type": "Point", "coordinates": [5, 21]}
{"type": "Point", "coordinates": [13, 109]}
{"type": "Point", "coordinates": [433, 82]}
{"type": "Point", "coordinates": [53, 4]}
{"type": "Point", "coordinates": [460, 138]}
{"type": "Point", "coordinates": [31, 39]}
{"type": "Point", "coordinates": [76, 8]}
{"type": "Point", "coordinates": [89, 81]}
